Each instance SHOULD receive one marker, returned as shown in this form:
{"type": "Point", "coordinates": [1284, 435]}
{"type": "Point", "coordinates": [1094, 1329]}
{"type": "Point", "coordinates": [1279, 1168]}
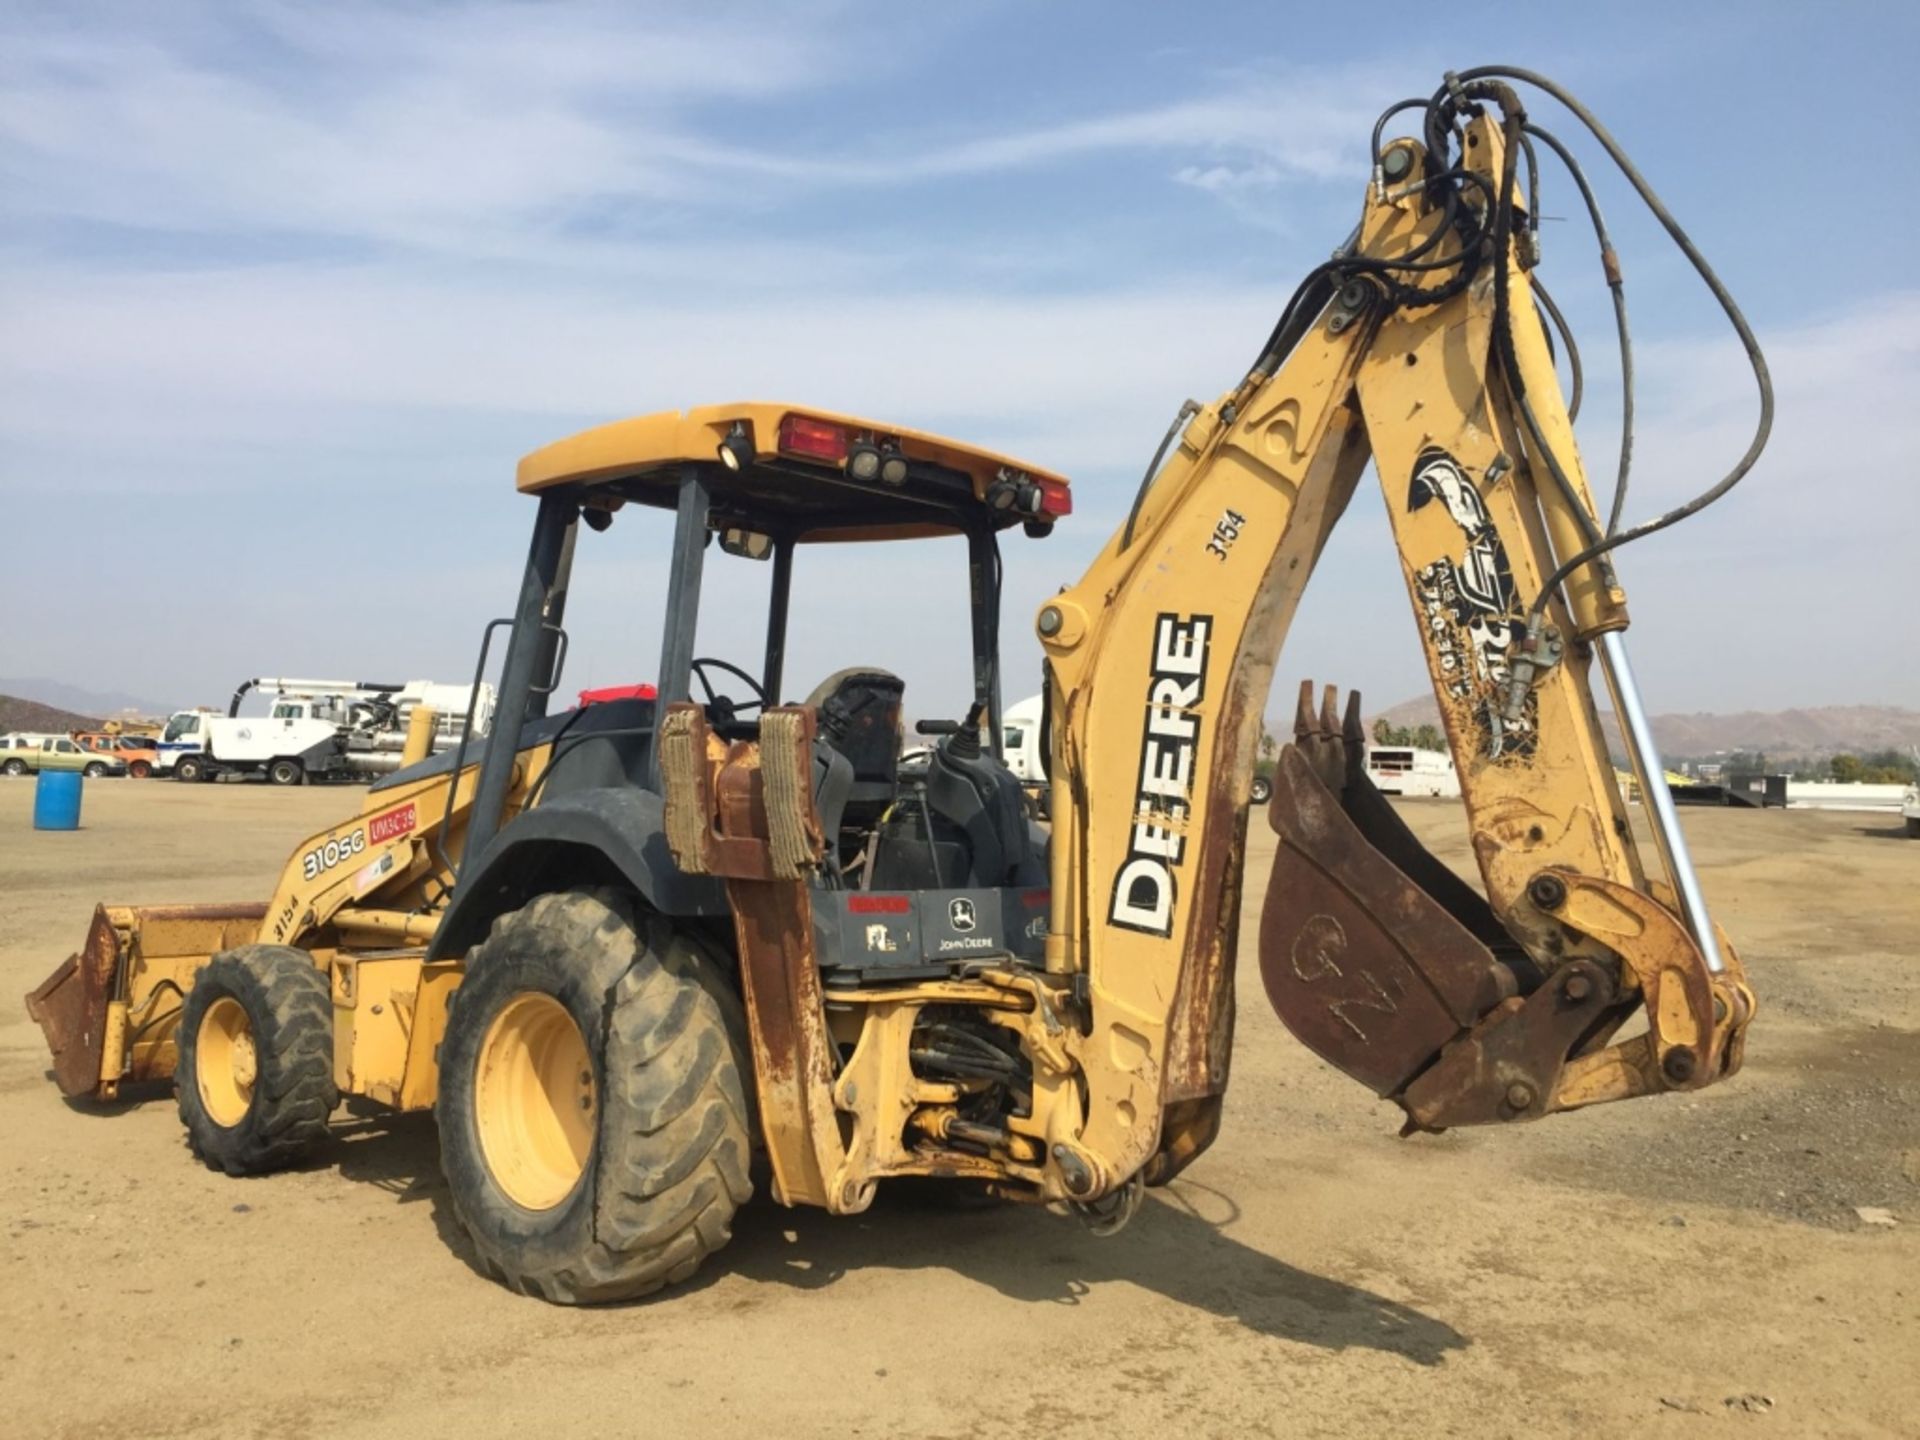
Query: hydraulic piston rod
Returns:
{"type": "Point", "coordinates": [1651, 773]}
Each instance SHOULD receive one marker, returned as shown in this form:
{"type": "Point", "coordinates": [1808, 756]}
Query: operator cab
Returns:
{"type": "Point", "coordinates": [927, 867]}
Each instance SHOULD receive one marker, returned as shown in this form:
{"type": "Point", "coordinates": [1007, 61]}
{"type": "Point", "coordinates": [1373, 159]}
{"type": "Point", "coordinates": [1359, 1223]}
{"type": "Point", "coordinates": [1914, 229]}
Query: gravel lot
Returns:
{"type": "Point", "coordinates": [1679, 1266]}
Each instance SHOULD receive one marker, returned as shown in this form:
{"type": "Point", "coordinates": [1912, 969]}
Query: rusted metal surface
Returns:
{"type": "Point", "coordinates": [70, 1005]}
{"type": "Point", "coordinates": [717, 802]}
{"type": "Point", "coordinates": [1387, 965]}
{"type": "Point", "coordinates": [1696, 1020]}
{"type": "Point", "coordinates": [1200, 1026]}
{"type": "Point", "coordinates": [1509, 1067]}
{"type": "Point", "coordinates": [1674, 982]}
{"type": "Point", "coordinates": [719, 822]}
{"type": "Point", "coordinates": [1370, 970]}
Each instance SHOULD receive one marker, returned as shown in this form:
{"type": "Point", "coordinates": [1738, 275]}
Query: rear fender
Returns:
{"type": "Point", "coordinates": [588, 837]}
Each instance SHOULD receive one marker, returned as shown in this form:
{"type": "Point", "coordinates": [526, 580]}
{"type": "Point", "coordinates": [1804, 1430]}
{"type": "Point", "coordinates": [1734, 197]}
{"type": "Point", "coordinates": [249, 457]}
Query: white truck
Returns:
{"type": "Point", "coordinates": [1022, 747]}
{"type": "Point", "coordinates": [1405, 770]}
{"type": "Point", "coordinates": [1020, 742]}
{"type": "Point", "coordinates": [318, 729]}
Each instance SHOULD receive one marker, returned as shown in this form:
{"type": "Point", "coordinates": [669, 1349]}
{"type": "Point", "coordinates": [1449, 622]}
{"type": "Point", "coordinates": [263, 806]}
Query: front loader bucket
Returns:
{"type": "Point", "coordinates": [106, 1009]}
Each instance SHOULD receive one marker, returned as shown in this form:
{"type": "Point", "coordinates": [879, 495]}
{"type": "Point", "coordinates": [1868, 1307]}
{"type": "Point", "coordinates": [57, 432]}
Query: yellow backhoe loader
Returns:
{"type": "Point", "coordinates": [622, 950]}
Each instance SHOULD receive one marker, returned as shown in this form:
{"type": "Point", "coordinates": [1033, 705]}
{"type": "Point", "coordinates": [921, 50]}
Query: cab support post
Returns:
{"type": "Point", "coordinates": [543, 592]}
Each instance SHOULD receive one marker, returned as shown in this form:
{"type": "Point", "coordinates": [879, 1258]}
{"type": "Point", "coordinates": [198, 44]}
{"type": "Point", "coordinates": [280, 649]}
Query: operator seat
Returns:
{"type": "Point", "coordinates": [858, 775]}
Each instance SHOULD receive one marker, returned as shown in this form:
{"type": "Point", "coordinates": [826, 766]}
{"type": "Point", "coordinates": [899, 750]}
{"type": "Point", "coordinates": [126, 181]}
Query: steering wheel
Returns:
{"type": "Point", "coordinates": [723, 709]}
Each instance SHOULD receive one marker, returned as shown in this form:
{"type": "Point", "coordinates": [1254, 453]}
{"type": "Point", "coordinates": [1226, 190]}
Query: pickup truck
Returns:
{"type": "Point", "coordinates": [22, 754]}
{"type": "Point", "coordinates": [136, 750]}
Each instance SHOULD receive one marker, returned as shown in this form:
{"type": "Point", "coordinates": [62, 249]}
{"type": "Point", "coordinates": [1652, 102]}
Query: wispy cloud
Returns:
{"type": "Point", "coordinates": [275, 261]}
{"type": "Point", "coordinates": [475, 130]}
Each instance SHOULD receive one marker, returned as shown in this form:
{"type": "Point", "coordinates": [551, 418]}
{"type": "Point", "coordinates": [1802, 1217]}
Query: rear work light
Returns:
{"type": "Point", "coordinates": [815, 439]}
{"type": "Point", "coordinates": [1055, 499]}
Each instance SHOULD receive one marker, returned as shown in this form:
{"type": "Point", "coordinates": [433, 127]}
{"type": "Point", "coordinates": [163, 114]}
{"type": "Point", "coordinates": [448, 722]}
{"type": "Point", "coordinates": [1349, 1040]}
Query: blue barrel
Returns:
{"type": "Point", "coordinates": [56, 800]}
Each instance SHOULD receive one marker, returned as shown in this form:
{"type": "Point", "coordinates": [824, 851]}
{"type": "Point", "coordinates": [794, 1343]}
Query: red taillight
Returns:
{"type": "Point", "coordinates": [816, 439]}
{"type": "Point", "coordinates": [1055, 499]}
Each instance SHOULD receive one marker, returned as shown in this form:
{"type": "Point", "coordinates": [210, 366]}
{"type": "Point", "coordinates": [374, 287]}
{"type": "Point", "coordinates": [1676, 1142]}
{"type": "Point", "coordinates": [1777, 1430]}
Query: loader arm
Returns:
{"type": "Point", "coordinates": [1159, 662]}
{"type": "Point", "coordinates": [377, 881]}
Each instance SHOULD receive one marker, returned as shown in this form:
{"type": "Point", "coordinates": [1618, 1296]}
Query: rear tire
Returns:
{"type": "Point", "coordinates": [254, 1080]}
{"type": "Point", "coordinates": [593, 1112]}
{"type": "Point", "coordinates": [1261, 791]}
{"type": "Point", "coordinates": [286, 772]}
{"type": "Point", "coordinates": [190, 769]}
{"type": "Point", "coordinates": [1913, 827]}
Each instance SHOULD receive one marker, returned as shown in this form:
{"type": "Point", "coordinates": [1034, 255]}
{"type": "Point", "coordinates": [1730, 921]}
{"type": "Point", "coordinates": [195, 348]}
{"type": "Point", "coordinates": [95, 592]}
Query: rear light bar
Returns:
{"type": "Point", "coordinates": [815, 439]}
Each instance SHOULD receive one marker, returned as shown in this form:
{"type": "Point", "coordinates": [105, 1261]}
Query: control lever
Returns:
{"type": "Point", "coordinates": [970, 725]}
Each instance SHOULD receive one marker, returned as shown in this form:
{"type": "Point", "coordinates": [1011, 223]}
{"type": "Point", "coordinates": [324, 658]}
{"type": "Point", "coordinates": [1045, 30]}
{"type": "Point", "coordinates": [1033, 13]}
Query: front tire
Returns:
{"type": "Point", "coordinates": [593, 1114]}
{"type": "Point", "coordinates": [286, 772]}
{"type": "Point", "coordinates": [190, 770]}
{"type": "Point", "coordinates": [94, 771]}
{"type": "Point", "coordinates": [140, 770]}
{"type": "Point", "coordinates": [1261, 791]}
{"type": "Point", "coordinates": [16, 767]}
{"type": "Point", "coordinates": [254, 1079]}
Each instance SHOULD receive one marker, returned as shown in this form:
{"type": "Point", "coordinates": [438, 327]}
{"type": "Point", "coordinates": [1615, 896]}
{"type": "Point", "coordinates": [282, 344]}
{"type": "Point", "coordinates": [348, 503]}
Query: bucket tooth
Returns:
{"type": "Point", "coordinates": [1303, 712]}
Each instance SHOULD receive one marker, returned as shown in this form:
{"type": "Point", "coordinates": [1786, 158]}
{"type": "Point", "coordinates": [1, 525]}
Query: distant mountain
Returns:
{"type": "Point", "coordinates": [82, 701]}
{"type": "Point", "coordinates": [32, 716]}
{"type": "Point", "coordinates": [1808, 733]}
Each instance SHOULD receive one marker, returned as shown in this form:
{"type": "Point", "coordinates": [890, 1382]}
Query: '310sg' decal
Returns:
{"type": "Point", "coordinates": [322, 858]}
{"type": "Point", "coordinates": [389, 825]}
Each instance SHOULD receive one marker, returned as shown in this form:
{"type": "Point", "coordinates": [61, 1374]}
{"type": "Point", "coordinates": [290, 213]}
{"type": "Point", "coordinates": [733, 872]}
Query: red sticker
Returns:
{"type": "Point", "coordinates": [390, 825]}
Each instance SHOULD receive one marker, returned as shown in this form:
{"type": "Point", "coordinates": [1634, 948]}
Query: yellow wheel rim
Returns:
{"type": "Point", "coordinates": [533, 1101]}
{"type": "Point", "coordinates": [225, 1062]}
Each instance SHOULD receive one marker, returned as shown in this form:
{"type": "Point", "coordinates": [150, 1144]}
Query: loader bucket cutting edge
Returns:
{"type": "Point", "coordinates": [72, 1005]}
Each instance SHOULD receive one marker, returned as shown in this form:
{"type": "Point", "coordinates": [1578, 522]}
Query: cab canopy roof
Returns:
{"type": "Point", "coordinates": [810, 474]}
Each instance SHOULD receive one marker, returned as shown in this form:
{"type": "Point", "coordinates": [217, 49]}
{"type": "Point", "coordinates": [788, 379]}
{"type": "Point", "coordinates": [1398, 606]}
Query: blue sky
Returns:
{"type": "Point", "coordinates": [285, 290]}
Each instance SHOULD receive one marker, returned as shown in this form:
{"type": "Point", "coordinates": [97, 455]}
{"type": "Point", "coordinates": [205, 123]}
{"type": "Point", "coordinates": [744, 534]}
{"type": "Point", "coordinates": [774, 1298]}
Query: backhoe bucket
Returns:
{"type": "Point", "coordinates": [1374, 954]}
{"type": "Point", "coordinates": [107, 1010]}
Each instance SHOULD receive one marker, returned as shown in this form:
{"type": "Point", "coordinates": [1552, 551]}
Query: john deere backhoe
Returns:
{"type": "Point", "coordinates": [621, 949]}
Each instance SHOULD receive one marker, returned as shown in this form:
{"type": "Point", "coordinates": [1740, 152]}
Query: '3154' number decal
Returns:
{"type": "Point", "coordinates": [1225, 532]}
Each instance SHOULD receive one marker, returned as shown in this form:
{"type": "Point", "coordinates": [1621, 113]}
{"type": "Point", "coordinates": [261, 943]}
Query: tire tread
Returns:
{"type": "Point", "coordinates": [287, 998]}
{"type": "Point", "coordinates": [671, 1161]}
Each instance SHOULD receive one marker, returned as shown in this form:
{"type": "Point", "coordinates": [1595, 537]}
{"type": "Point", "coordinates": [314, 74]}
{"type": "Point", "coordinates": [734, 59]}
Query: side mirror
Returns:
{"type": "Point", "coordinates": [747, 544]}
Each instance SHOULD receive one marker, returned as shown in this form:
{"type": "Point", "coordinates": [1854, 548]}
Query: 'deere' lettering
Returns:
{"type": "Point", "coordinates": [1143, 890]}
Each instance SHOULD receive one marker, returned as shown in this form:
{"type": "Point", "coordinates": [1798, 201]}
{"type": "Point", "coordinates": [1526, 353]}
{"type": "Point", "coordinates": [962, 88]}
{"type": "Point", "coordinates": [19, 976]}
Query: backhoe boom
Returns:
{"type": "Point", "coordinates": [1463, 1009]}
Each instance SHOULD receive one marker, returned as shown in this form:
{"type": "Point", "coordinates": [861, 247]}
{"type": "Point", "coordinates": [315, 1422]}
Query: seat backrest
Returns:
{"type": "Point", "coordinates": [859, 713]}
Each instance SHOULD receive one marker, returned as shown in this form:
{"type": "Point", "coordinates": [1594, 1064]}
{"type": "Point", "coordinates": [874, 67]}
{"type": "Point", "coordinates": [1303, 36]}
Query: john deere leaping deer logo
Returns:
{"type": "Point", "coordinates": [1472, 616]}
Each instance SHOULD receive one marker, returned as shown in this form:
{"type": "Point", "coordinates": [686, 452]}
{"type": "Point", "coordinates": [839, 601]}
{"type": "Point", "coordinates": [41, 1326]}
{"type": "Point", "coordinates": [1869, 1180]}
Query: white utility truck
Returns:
{"type": "Point", "coordinates": [1404, 770]}
{"type": "Point", "coordinates": [316, 729]}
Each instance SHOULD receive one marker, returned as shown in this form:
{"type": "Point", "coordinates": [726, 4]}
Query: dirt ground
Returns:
{"type": "Point", "coordinates": [1674, 1267]}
